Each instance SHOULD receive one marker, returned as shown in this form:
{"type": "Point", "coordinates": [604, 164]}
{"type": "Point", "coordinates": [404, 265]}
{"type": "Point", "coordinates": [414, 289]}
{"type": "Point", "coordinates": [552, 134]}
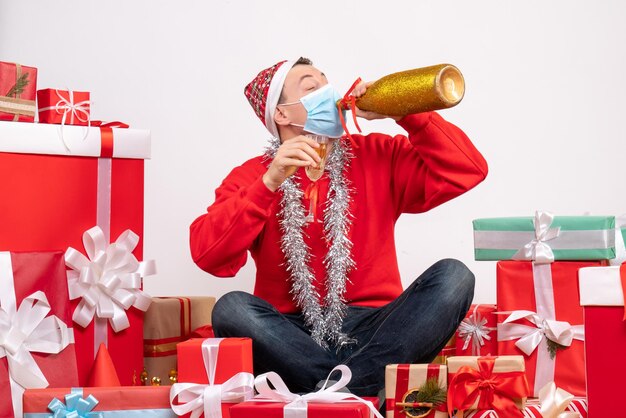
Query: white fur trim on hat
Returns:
{"type": "Point", "coordinates": [273, 94]}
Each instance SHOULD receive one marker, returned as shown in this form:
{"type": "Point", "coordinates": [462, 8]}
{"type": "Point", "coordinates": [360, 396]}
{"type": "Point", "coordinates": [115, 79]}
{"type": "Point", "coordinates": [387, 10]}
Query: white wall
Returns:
{"type": "Point", "coordinates": [545, 84]}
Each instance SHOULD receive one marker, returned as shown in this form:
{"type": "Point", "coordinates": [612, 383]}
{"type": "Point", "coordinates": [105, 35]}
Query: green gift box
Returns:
{"type": "Point", "coordinates": [545, 238]}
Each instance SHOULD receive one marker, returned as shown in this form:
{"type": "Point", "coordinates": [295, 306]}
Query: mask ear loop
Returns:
{"type": "Point", "coordinates": [348, 102]}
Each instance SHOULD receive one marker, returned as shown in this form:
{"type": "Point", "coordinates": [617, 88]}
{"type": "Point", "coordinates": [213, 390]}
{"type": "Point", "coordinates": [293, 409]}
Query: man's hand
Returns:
{"type": "Point", "coordinates": [359, 91]}
{"type": "Point", "coordinates": [293, 153]}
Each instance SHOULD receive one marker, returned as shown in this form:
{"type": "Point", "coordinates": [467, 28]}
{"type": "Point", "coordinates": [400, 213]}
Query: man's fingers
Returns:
{"type": "Point", "coordinates": [291, 162]}
{"type": "Point", "coordinates": [301, 139]}
{"type": "Point", "coordinates": [301, 146]}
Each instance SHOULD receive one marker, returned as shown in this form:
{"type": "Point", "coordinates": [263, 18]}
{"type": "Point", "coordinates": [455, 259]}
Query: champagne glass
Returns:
{"type": "Point", "coordinates": [314, 173]}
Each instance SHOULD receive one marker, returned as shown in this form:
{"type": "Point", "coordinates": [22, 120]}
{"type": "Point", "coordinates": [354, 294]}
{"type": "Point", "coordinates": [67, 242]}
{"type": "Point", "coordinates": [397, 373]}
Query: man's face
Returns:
{"type": "Point", "coordinates": [300, 81]}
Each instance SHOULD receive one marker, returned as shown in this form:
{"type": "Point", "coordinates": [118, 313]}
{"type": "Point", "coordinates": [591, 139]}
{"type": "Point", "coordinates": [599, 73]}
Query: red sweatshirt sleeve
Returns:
{"type": "Point", "coordinates": [220, 238]}
{"type": "Point", "coordinates": [436, 163]}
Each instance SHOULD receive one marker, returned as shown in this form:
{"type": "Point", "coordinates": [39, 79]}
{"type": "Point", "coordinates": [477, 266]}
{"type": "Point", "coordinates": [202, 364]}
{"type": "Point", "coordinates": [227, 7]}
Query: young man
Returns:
{"type": "Point", "coordinates": [328, 290]}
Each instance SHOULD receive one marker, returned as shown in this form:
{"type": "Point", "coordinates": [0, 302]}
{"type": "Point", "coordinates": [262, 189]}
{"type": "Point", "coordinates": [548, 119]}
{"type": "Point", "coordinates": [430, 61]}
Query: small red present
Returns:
{"type": "Point", "coordinates": [58, 193]}
{"type": "Point", "coordinates": [403, 382]}
{"type": "Point", "coordinates": [476, 335]}
{"type": "Point", "coordinates": [602, 293]}
{"type": "Point", "coordinates": [149, 401]}
{"type": "Point", "coordinates": [545, 324]}
{"type": "Point", "coordinates": [64, 107]}
{"type": "Point", "coordinates": [221, 367]}
{"type": "Point", "coordinates": [36, 347]}
{"type": "Point", "coordinates": [18, 84]}
{"type": "Point", "coordinates": [276, 401]}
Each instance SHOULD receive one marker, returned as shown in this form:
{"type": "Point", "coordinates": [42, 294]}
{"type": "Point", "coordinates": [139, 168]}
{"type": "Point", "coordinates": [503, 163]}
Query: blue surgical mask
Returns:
{"type": "Point", "coordinates": [322, 116]}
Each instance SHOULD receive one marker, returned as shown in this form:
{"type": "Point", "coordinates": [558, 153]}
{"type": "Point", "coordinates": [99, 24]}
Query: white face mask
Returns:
{"type": "Point", "coordinates": [322, 115]}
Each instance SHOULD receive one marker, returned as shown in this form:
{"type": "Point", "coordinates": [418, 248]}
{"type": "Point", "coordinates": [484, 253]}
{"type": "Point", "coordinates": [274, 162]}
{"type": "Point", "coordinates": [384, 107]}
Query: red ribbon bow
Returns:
{"type": "Point", "coordinates": [311, 193]}
{"type": "Point", "coordinates": [493, 390]}
{"type": "Point", "coordinates": [349, 102]}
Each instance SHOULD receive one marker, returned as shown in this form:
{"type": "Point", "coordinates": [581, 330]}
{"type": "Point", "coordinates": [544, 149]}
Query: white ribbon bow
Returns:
{"type": "Point", "coordinates": [474, 329]}
{"type": "Point", "coordinates": [537, 249]}
{"type": "Point", "coordinates": [554, 401]}
{"type": "Point", "coordinates": [529, 337]}
{"type": "Point", "coordinates": [25, 330]}
{"type": "Point", "coordinates": [297, 404]}
{"type": "Point", "coordinates": [108, 280]}
{"type": "Point", "coordinates": [208, 398]}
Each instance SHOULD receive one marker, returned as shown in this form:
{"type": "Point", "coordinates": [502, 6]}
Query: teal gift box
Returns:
{"type": "Point", "coordinates": [545, 238]}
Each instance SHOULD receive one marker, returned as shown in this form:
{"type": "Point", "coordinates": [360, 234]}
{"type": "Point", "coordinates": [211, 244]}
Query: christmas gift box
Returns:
{"type": "Point", "coordinates": [276, 401]}
{"type": "Point", "coordinates": [36, 345]}
{"type": "Point", "coordinates": [101, 402]}
{"type": "Point", "coordinates": [553, 402]}
{"type": "Point", "coordinates": [18, 84]}
{"type": "Point", "coordinates": [482, 383]}
{"type": "Point", "coordinates": [416, 390]}
{"type": "Point", "coordinates": [216, 373]}
{"type": "Point", "coordinates": [545, 238]}
{"type": "Point", "coordinates": [545, 321]}
{"type": "Point", "coordinates": [167, 322]}
{"type": "Point", "coordinates": [620, 241]}
{"type": "Point", "coordinates": [602, 293]}
{"type": "Point", "coordinates": [476, 335]}
{"type": "Point", "coordinates": [58, 192]}
{"type": "Point", "coordinates": [64, 107]}
{"type": "Point", "coordinates": [448, 350]}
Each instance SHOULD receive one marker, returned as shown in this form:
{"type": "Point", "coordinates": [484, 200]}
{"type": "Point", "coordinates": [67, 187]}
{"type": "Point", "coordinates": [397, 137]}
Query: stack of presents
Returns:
{"type": "Point", "coordinates": [79, 337]}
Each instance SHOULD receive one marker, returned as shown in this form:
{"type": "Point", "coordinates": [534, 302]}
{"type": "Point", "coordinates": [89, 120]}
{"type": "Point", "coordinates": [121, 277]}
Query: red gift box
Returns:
{"type": "Point", "coordinates": [136, 400]}
{"type": "Point", "coordinates": [233, 356]}
{"type": "Point", "coordinates": [403, 381]}
{"type": "Point", "coordinates": [476, 334]}
{"type": "Point", "coordinates": [56, 194]}
{"type": "Point", "coordinates": [602, 293]}
{"type": "Point", "coordinates": [63, 107]}
{"type": "Point", "coordinates": [543, 297]}
{"type": "Point", "coordinates": [314, 409]}
{"type": "Point", "coordinates": [33, 284]}
{"type": "Point", "coordinates": [18, 84]}
{"type": "Point", "coordinates": [275, 400]}
{"type": "Point", "coordinates": [213, 361]}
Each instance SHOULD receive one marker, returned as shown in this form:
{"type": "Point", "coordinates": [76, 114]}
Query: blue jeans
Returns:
{"type": "Point", "coordinates": [411, 329]}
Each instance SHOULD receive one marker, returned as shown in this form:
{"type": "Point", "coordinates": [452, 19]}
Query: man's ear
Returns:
{"type": "Point", "coordinates": [280, 117]}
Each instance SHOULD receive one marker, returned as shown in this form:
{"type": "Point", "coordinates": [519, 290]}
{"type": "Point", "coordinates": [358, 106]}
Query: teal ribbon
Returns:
{"type": "Point", "coordinates": [75, 406]}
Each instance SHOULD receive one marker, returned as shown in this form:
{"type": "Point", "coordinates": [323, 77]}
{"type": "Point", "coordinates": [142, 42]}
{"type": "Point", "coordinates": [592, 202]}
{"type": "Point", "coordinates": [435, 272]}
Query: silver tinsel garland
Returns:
{"type": "Point", "coordinates": [323, 319]}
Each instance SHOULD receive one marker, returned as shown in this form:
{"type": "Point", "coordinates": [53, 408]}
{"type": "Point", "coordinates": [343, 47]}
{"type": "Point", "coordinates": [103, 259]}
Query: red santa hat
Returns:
{"type": "Point", "coordinates": [264, 91]}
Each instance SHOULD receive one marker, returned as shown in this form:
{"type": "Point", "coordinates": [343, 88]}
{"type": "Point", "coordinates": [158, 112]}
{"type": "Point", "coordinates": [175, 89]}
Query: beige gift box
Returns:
{"type": "Point", "coordinates": [169, 321]}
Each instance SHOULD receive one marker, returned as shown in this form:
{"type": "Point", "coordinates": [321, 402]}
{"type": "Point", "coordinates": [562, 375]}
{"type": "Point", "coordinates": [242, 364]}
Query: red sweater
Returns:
{"type": "Point", "coordinates": [390, 176]}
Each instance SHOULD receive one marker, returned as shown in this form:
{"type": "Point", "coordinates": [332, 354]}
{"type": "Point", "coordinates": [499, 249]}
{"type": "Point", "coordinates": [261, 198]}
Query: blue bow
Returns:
{"type": "Point", "coordinates": [75, 406]}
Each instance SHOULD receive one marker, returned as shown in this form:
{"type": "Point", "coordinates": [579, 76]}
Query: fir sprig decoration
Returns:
{"type": "Point", "coordinates": [418, 403]}
{"type": "Point", "coordinates": [553, 347]}
{"type": "Point", "coordinates": [18, 87]}
{"type": "Point", "coordinates": [431, 392]}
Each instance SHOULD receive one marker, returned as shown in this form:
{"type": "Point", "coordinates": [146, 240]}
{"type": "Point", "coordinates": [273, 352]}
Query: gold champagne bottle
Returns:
{"type": "Point", "coordinates": [414, 91]}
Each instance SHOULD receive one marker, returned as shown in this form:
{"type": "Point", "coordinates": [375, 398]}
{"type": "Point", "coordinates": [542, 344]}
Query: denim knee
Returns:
{"type": "Point", "coordinates": [228, 310]}
{"type": "Point", "coordinates": [459, 279]}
